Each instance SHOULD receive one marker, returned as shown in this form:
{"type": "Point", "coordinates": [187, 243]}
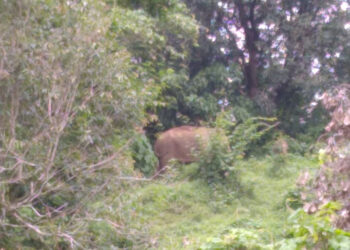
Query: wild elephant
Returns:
{"type": "Point", "coordinates": [181, 143]}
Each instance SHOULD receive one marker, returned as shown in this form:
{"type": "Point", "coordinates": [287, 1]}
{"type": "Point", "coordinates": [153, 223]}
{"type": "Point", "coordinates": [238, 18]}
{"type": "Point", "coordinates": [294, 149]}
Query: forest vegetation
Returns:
{"type": "Point", "coordinates": [87, 87]}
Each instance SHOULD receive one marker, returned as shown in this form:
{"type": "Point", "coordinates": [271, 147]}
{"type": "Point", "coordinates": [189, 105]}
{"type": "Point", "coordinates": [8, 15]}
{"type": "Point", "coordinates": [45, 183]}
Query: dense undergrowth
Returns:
{"type": "Point", "coordinates": [80, 80]}
{"type": "Point", "coordinates": [179, 212]}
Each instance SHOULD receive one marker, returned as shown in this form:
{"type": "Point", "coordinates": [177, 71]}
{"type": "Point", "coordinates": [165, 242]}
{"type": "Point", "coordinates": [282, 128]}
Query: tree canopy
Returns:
{"type": "Point", "coordinates": [278, 54]}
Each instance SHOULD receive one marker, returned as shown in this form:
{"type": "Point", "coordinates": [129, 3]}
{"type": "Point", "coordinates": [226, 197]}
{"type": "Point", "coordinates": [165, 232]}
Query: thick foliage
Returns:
{"type": "Point", "coordinates": [159, 35]}
{"type": "Point", "coordinates": [201, 98]}
{"type": "Point", "coordinates": [68, 98]}
{"type": "Point", "coordinates": [315, 231]}
{"type": "Point", "coordinates": [337, 102]}
{"type": "Point", "coordinates": [332, 183]}
{"type": "Point", "coordinates": [230, 144]}
{"type": "Point", "coordinates": [215, 160]}
{"type": "Point", "coordinates": [303, 232]}
{"type": "Point", "coordinates": [245, 135]}
{"type": "Point", "coordinates": [143, 155]}
{"type": "Point", "coordinates": [285, 52]}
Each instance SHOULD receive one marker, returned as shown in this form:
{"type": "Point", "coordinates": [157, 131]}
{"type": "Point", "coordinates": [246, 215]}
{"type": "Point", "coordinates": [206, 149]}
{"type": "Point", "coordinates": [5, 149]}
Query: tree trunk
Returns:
{"type": "Point", "coordinates": [249, 25]}
{"type": "Point", "coordinates": [252, 71]}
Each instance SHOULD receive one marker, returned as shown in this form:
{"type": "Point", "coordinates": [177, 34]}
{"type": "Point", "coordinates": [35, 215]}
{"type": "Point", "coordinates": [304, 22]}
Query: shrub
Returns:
{"type": "Point", "coordinates": [293, 199]}
{"type": "Point", "coordinates": [143, 155]}
{"type": "Point", "coordinates": [315, 231]}
{"type": "Point", "coordinates": [331, 184]}
{"type": "Point", "coordinates": [215, 160]}
{"type": "Point", "coordinates": [333, 180]}
{"type": "Point", "coordinates": [229, 144]}
{"type": "Point", "coordinates": [67, 104]}
{"type": "Point", "coordinates": [304, 231]}
{"type": "Point", "coordinates": [244, 136]}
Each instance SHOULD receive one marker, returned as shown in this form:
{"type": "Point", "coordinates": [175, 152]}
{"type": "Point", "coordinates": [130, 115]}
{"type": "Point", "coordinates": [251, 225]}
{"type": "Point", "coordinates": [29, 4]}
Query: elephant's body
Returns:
{"type": "Point", "coordinates": [181, 143]}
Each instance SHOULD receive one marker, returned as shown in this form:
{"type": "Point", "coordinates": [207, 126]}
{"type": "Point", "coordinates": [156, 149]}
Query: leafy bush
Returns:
{"type": "Point", "coordinates": [243, 136]}
{"type": "Point", "coordinates": [296, 146]}
{"type": "Point", "coordinates": [280, 143]}
{"type": "Point", "coordinates": [75, 77]}
{"type": "Point", "coordinates": [333, 180]}
{"type": "Point", "coordinates": [315, 231]}
{"type": "Point", "coordinates": [304, 232]}
{"type": "Point", "coordinates": [189, 100]}
{"type": "Point", "coordinates": [143, 155]}
{"type": "Point", "coordinates": [215, 160]}
{"type": "Point", "coordinates": [331, 184]}
{"type": "Point", "coordinates": [293, 199]}
{"type": "Point", "coordinates": [68, 103]}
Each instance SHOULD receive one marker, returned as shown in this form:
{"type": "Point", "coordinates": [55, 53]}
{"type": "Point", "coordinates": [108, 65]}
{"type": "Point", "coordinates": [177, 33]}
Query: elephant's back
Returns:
{"type": "Point", "coordinates": [180, 139]}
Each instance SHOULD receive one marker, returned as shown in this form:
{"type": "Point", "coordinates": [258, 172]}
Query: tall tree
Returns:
{"type": "Point", "coordinates": [286, 49]}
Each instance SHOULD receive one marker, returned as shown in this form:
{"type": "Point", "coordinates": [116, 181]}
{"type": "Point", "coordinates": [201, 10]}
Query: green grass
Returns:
{"type": "Point", "coordinates": [179, 213]}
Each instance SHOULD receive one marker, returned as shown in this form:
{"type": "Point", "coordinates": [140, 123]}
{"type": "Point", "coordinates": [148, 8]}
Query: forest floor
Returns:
{"type": "Point", "coordinates": [179, 212]}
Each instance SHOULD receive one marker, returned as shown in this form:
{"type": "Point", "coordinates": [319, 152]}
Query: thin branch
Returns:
{"type": "Point", "coordinates": [30, 226]}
